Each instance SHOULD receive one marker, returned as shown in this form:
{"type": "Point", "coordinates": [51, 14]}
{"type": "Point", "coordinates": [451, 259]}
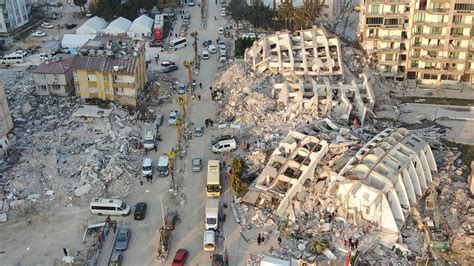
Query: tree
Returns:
{"type": "Point", "coordinates": [286, 12]}
{"type": "Point", "coordinates": [258, 14]}
{"type": "Point", "coordinates": [81, 4]}
{"type": "Point", "coordinates": [237, 10]}
{"type": "Point", "coordinates": [188, 65]}
{"type": "Point", "coordinates": [195, 44]}
{"type": "Point", "coordinates": [310, 12]}
{"type": "Point", "coordinates": [237, 184]}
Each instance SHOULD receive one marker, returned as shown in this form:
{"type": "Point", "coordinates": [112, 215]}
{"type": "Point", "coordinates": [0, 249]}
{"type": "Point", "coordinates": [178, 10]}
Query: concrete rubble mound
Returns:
{"type": "Point", "coordinates": [67, 152]}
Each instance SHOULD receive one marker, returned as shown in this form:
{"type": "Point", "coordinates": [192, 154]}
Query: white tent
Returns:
{"type": "Point", "coordinates": [118, 26]}
{"type": "Point", "coordinates": [141, 27]}
{"type": "Point", "coordinates": [75, 40]}
{"type": "Point", "coordinates": [92, 26]}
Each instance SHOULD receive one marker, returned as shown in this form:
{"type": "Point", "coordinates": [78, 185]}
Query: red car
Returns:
{"type": "Point", "coordinates": [180, 257]}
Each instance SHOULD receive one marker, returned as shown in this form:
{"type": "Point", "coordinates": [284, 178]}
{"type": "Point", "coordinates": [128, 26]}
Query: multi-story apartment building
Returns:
{"type": "Point", "coordinates": [6, 121]}
{"type": "Point", "coordinates": [110, 68]}
{"type": "Point", "coordinates": [53, 77]}
{"type": "Point", "coordinates": [428, 41]}
{"type": "Point", "coordinates": [13, 14]}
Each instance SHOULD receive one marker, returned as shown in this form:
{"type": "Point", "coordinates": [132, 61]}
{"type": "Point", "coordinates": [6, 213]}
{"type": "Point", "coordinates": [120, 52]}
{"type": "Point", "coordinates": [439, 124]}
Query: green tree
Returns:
{"type": "Point", "coordinates": [195, 44]}
{"type": "Point", "coordinates": [310, 12]}
{"type": "Point", "coordinates": [237, 10]}
{"type": "Point", "coordinates": [286, 12]}
{"type": "Point", "coordinates": [241, 44]}
{"type": "Point", "coordinates": [237, 184]}
{"type": "Point", "coordinates": [81, 4]}
{"type": "Point", "coordinates": [258, 14]}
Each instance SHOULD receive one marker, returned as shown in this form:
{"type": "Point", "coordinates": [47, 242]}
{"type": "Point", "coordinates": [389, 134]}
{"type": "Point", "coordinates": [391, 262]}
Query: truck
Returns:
{"type": "Point", "coordinates": [212, 214]}
{"type": "Point", "coordinates": [163, 166]}
{"type": "Point", "coordinates": [149, 139]}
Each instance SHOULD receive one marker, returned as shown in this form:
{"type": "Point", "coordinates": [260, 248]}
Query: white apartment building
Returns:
{"type": "Point", "coordinates": [13, 14]}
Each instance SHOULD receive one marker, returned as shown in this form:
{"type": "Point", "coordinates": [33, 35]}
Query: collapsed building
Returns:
{"type": "Point", "coordinates": [339, 102]}
{"type": "Point", "coordinates": [379, 183]}
{"type": "Point", "coordinates": [312, 52]}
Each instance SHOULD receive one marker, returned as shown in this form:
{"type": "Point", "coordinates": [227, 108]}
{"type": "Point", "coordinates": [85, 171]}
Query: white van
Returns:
{"type": "Point", "coordinates": [224, 146]}
{"type": "Point", "coordinates": [163, 166]}
{"type": "Point", "coordinates": [205, 55]}
{"type": "Point", "coordinates": [212, 214]}
{"type": "Point", "coordinates": [147, 167]}
{"type": "Point", "coordinates": [149, 139]}
{"type": "Point", "coordinates": [14, 58]}
{"type": "Point", "coordinates": [103, 206]}
{"type": "Point", "coordinates": [177, 43]}
{"type": "Point", "coordinates": [212, 49]}
{"type": "Point", "coordinates": [209, 243]}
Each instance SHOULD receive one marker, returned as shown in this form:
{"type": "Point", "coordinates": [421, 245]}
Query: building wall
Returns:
{"type": "Point", "coordinates": [53, 84]}
{"type": "Point", "coordinates": [13, 14]}
{"type": "Point", "coordinates": [429, 41]}
{"type": "Point", "coordinates": [6, 121]}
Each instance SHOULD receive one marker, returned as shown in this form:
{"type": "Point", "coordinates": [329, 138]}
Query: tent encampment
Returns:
{"type": "Point", "coordinates": [75, 40]}
{"type": "Point", "coordinates": [141, 27]}
{"type": "Point", "coordinates": [118, 26]}
{"type": "Point", "coordinates": [92, 26]}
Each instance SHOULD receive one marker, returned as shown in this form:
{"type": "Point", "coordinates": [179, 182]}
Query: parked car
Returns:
{"type": "Point", "coordinates": [172, 118]}
{"type": "Point", "coordinates": [38, 34]}
{"type": "Point", "coordinates": [207, 43]}
{"type": "Point", "coordinates": [212, 49]}
{"type": "Point", "coordinates": [59, 26]}
{"type": "Point", "coordinates": [222, 58]}
{"type": "Point", "coordinates": [168, 69]}
{"type": "Point", "coordinates": [181, 88]}
{"type": "Point", "coordinates": [180, 257]}
{"type": "Point", "coordinates": [116, 259]}
{"type": "Point", "coordinates": [166, 63]}
{"type": "Point", "coordinates": [198, 131]}
{"type": "Point", "coordinates": [22, 52]}
{"type": "Point", "coordinates": [156, 44]}
{"type": "Point", "coordinates": [197, 164]}
{"type": "Point", "coordinates": [205, 54]}
{"type": "Point", "coordinates": [193, 85]}
{"type": "Point", "coordinates": [171, 219]}
{"type": "Point", "coordinates": [47, 25]}
{"type": "Point", "coordinates": [70, 26]}
{"type": "Point", "coordinates": [88, 14]}
{"type": "Point", "coordinates": [140, 211]}
{"type": "Point", "coordinates": [123, 237]}
{"type": "Point", "coordinates": [220, 30]}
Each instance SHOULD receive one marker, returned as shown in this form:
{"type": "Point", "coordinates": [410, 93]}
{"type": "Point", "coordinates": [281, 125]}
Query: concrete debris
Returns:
{"type": "Point", "coordinates": [81, 151]}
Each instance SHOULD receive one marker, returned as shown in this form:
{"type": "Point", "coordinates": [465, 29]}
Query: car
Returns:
{"type": "Point", "coordinates": [116, 259]}
{"type": "Point", "coordinates": [156, 44]}
{"type": "Point", "coordinates": [198, 131]}
{"type": "Point", "coordinates": [220, 30]}
{"type": "Point", "coordinates": [38, 34]}
{"type": "Point", "coordinates": [166, 63]}
{"type": "Point", "coordinates": [221, 138]}
{"type": "Point", "coordinates": [171, 219]}
{"type": "Point", "coordinates": [193, 85]}
{"type": "Point", "coordinates": [22, 52]}
{"type": "Point", "coordinates": [182, 88]}
{"type": "Point", "coordinates": [191, 3]}
{"type": "Point", "coordinates": [59, 26]}
{"type": "Point", "coordinates": [180, 257]}
{"type": "Point", "coordinates": [88, 14]}
{"type": "Point", "coordinates": [123, 236]}
{"type": "Point", "coordinates": [222, 50]}
{"type": "Point", "coordinates": [47, 25]}
{"type": "Point", "coordinates": [222, 58]}
{"type": "Point", "coordinates": [140, 211]}
{"type": "Point", "coordinates": [196, 164]}
{"type": "Point", "coordinates": [212, 49]}
{"type": "Point", "coordinates": [70, 26]}
{"type": "Point", "coordinates": [205, 54]}
{"type": "Point", "coordinates": [168, 69]}
{"type": "Point", "coordinates": [173, 117]}
{"type": "Point", "coordinates": [207, 43]}
{"type": "Point", "coordinates": [252, 35]}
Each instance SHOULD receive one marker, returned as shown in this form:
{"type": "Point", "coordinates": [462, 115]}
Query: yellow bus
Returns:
{"type": "Point", "coordinates": [213, 187]}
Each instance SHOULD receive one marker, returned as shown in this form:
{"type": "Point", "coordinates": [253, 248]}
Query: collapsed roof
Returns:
{"type": "Point", "coordinates": [311, 52]}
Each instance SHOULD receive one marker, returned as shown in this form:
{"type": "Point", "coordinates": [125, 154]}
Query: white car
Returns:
{"type": "Point", "coordinates": [47, 25]}
{"type": "Point", "coordinates": [252, 35]}
{"type": "Point", "coordinates": [220, 30]}
{"type": "Point", "coordinates": [88, 14]}
{"type": "Point", "coordinates": [22, 52]}
{"type": "Point", "coordinates": [212, 49]}
{"type": "Point", "coordinates": [222, 58]}
{"type": "Point", "coordinates": [205, 55]}
{"type": "Point", "coordinates": [222, 50]}
{"type": "Point", "coordinates": [38, 34]}
{"type": "Point", "coordinates": [172, 118]}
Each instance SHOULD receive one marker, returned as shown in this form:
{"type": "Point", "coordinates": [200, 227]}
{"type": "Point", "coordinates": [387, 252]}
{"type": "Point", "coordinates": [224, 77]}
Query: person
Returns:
{"type": "Point", "coordinates": [215, 18]}
{"type": "Point", "coordinates": [199, 97]}
{"type": "Point", "coordinates": [78, 253]}
{"type": "Point", "coordinates": [279, 241]}
{"type": "Point", "coordinates": [141, 181]}
{"type": "Point", "coordinates": [115, 227]}
{"type": "Point", "coordinates": [263, 239]}
{"type": "Point", "coordinates": [356, 243]}
{"type": "Point", "coordinates": [259, 239]}
{"type": "Point", "coordinates": [210, 88]}
{"type": "Point", "coordinates": [65, 251]}
{"type": "Point", "coordinates": [200, 85]}
{"type": "Point", "coordinates": [156, 148]}
{"type": "Point", "coordinates": [151, 178]}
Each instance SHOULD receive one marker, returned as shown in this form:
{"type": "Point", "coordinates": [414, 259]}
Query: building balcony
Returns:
{"type": "Point", "coordinates": [389, 62]}
{"type": "Point", "coordinates": [395, 14]}
{"type": "Point", "coordinates": [417, 33]}
{"type": "Point", "coordinates": [457, 48]}
{"type": "Point", "coordinates": [391, 38]}
{"type": "Point", "coordinates": [460, 25]}
{"type": "Point", "coordinates": [427, 70]}
{"type": "Point", "coordinates": [436, 24]}
{"type": "Point", "coordinates": [396, 26]}
{"type": "Point", "coordinates": [428, 58]}
{"type": "Point", "coordinates": [416, 56]}
{"type": "Point", "coordinates": [459, 36]}
{"type": "Point", "coordinates": [433, 35]}
{"type": "Point", "coordinates": [440, 1]}
{"type": "Point", "coordinates": [396, 74]}
{"type": "Point", "coordinates": [441, 11]}
{"type": "Point", "coordinates": [432, 47]}
{"type": "Point", "coordinates": [395, 2]}
{"type": "Point", "coordinates": [117, 84]}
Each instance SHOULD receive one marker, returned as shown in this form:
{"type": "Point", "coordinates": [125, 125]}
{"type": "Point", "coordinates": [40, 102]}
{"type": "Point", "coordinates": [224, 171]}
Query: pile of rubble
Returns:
{"type": "Point", "coordinates": [65, 152]}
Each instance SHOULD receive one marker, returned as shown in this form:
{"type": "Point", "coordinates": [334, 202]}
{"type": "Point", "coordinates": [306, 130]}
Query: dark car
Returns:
{"type": "Point", "coordinates": [169, 69]}
{"type": "Point", "coordinates": [207, 43]}
{"type": "Point", "coordinates": [140, 211]}
{"type": "Point", "coordinates": [156, 44]}
{"type": "Point", "coordinates": [166, 63]}
{"type": "Point", "coordinates": [180, 257]}
{"type": "Point", "coordinates": [171, 219]}
{"type": "Point", "coordinates": [70, 26]}
{"type": "Point", "coordinates": [123, 237]}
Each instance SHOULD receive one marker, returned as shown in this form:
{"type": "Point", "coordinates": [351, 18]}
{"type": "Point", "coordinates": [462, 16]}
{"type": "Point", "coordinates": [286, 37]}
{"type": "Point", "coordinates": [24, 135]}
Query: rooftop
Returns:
{"type": "Point", "coordinates": [59, 64]}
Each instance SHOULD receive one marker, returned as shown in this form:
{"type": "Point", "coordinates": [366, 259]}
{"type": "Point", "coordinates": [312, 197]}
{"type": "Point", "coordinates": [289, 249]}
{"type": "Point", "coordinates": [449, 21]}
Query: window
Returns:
{"type": "Point", "coordinates": [74, 74]}
{"type": "Point", "coordinates": [77, 88]}
{"type": "Point", "coordinates": [414, 63]}
{"type": "Point", "coordinates": [374, 9]}
{"type": "Point", "coordinates": [106, 77]}
{"type": "Point", "coordinates": [91, 77]}
{"type": "Point", "coordinates": [389, 57]}
{"type": "Point", "coordinates": [118, 90]}
{"type": "Point", "coordinates": [42, 88]}
{"type": "Point", "coordinates": [374, 21]}
{"type": "Point", "coordinates": [436, 31]}
{"type": "Point", "coordinates": [457, 19]}
{"type": "Point", "coordinates": [420, 17]}
{"type": "Point", "coordinates": [56, 87]}
{"type": "Point", "coordinates": [107, 91]}
{"type": "Point", "coordinates": [464, 7]}
{"type": "Point", "coordinates": [93, 90]}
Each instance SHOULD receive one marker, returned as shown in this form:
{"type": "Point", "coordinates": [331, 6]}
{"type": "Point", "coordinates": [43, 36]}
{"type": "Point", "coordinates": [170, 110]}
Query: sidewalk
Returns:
{"type": "Point", "coordinates": [459, 92]}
